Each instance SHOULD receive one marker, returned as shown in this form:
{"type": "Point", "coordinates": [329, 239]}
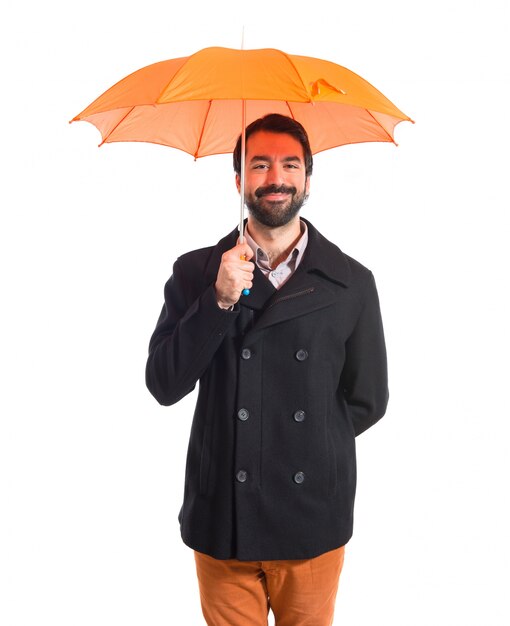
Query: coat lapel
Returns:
{"type": "Point", "coordinates": [303, 293]}
{"type": "Point", "coordinates": [261, 292]}
{"type": "Point", "coordinates": [313, 286]}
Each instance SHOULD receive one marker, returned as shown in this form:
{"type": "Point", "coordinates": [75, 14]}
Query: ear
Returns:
{"type": "Point", "coordinates": [238, 183]}
{"type": "Point", "coordinates": [307, 186]}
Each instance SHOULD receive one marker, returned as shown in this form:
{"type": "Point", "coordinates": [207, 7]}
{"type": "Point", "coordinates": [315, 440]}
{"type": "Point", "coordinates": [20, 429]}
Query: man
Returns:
{"type": "Point", "coordinates": [289, 375]}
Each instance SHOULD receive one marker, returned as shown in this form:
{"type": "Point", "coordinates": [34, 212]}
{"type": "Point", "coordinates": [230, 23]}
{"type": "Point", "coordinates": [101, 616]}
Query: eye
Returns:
{"type": "Point", "coordinates": [259, 166]}
{"type": "Point", "coordinates": [293, 163]}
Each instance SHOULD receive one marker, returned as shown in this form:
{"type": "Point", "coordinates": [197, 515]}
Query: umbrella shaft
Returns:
{"type": "Point", "coordinates": [243, 165]}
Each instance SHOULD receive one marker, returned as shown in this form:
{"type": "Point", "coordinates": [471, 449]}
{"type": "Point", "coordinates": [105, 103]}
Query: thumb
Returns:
{"type": "Point", "coordinates": [244, 251]}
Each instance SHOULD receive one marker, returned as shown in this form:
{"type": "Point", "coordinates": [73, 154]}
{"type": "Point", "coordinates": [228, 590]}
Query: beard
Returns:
{"type": "Point", "coordinates": [274, 213]}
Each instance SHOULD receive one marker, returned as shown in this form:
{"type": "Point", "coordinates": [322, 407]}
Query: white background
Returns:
{"type": "Point", "coordinates": [91, 467]}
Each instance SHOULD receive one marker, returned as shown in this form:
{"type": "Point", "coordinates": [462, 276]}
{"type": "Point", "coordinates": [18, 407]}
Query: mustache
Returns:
{"type": "Point", "coordinates": [264, 191]}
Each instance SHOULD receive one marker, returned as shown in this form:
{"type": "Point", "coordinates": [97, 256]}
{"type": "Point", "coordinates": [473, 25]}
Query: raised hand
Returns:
{"type": "Point", "coordinates": [234, 274]}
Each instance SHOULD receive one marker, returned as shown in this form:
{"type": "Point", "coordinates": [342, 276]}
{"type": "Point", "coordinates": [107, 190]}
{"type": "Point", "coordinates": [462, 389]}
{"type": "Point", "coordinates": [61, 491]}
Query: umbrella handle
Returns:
{"type": "Point", "coordinates": [244, 292]}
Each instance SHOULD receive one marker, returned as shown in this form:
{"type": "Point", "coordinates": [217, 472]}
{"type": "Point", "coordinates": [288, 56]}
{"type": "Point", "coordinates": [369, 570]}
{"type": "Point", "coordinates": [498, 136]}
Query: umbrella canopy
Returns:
{"type": "Point", "coordinates": [196, 103]}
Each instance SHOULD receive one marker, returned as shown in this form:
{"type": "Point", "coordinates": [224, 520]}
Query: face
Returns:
{"type": "Point", "coordinates": [276, 184]}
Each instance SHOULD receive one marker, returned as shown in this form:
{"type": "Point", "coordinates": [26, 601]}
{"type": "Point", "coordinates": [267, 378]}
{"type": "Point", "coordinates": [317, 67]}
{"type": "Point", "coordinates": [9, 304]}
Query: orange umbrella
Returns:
{"type": "Point", "coordinates": [195, 103]}
{"type": "Point", "coordinates": [201, 103]}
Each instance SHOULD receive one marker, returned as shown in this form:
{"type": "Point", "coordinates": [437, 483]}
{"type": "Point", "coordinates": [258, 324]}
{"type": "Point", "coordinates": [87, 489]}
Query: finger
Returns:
{"type": "Point", "coordinates": [240, 266]}
{"type": "Point", "coordinates": [247, 288]}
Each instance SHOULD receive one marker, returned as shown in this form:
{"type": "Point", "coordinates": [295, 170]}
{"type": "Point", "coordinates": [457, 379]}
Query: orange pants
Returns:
{"type": "Point", "coordinates": [240, 593]}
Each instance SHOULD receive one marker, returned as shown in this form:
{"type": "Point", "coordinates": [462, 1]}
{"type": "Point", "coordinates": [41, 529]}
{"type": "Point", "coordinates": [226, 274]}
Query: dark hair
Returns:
{"type": "Point", "coordinates": [276, 123]}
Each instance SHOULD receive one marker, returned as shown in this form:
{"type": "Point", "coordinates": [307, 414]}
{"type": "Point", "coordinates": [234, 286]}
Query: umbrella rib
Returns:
{"type": "Point", "coordinates": [202, 130]}
{"type": "Point", "coordinates": [117, 125]}
{"type": "Point", "coordinates": [290, 110]}
{"type": "Point", "coordinates": [298, 74]}
{"type": "Point", "coordinates": [381, 126]}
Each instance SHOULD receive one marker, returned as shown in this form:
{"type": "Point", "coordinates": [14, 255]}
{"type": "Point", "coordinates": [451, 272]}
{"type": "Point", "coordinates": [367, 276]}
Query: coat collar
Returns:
{"type": "Point", "coordinates": [321, 256]}
{"type": "Point", "coordinates": [323, 268]}
{"type": "Point", "coordinates": [325, 258]}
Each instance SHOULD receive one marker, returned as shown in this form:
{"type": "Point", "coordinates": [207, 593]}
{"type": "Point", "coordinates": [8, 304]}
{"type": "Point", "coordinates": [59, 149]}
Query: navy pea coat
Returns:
{"type": "Point", "coordinates": [287, 379]}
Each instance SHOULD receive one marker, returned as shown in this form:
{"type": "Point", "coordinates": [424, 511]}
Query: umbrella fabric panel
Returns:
{"type": "Point", "coordinates": [223, 73]}
{"type": "Point", "coordinates": [178, 125]}
{"type": "Point", "coordinates": [329, 82]}
{"type": "Point", "coordinates": [141, 87]}
{"type": "Point", "coordinates": [108, 121]}
{"type": "Point", "coordinates": [329, 124]}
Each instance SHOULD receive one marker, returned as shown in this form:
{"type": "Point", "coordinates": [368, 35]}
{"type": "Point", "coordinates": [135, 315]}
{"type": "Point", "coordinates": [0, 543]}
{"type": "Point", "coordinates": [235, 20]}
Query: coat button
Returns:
{"type": "Point", "coordinates": [301, 355]}
{"type": "Point", "coordinates": [299, 477]}
{"type": "Point", "coordinates": [241, 476]}
{"type": "Point", "coordinates": [246, 354]}
{"type": "Point", "coordinates": [299, 416]}
{"type": "Point", "coordinates": [243, 414]}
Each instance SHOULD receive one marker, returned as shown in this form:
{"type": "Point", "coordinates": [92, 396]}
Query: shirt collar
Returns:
{"type": "Point", "coordinates": [261, 258]}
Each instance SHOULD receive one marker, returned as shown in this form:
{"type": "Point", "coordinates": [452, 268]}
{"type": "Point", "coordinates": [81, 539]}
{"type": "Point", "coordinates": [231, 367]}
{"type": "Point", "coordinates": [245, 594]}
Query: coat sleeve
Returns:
{"type": "Point", "coordinates": [365, 374]}
{"type": "Point", "coordinates": [189, 331]}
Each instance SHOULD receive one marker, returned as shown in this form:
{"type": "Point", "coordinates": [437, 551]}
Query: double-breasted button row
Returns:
{"type": "Point", "coordinates": [244, 414]}
{"type": "Point", "coordinates": [301, 355]}
{"type": "Point", "coordinates": [242, 477]}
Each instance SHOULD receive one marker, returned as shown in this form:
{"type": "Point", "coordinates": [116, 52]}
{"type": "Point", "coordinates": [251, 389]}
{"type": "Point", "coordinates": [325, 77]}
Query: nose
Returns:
{"type": "Point", "coordinates": [275, 175]}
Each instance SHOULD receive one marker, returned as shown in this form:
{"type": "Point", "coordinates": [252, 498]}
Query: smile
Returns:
{"type": "Point", "coordinates": [275, 196]}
